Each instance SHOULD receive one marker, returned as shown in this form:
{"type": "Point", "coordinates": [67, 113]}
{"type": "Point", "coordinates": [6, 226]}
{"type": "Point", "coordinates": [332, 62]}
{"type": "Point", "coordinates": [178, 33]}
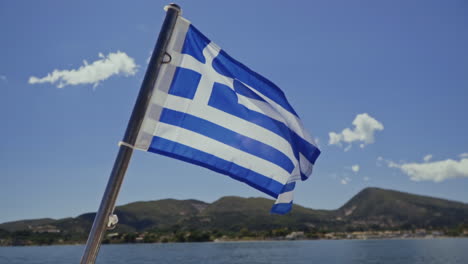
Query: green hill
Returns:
{"type": "Point", "coordinates": [26, 224]}
{"type": "Point", "coordinates": [235, 213]}
{"type": "Point", "coordinates": [161, 214]}
{"type": "Point", "coordinates": [379, 208]}
{"type": "Point", "coordinates": [183, 220]}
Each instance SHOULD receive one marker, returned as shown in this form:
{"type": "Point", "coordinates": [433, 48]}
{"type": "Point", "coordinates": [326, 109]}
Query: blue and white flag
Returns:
{"type": "Point", "coordinates": [210, 110]}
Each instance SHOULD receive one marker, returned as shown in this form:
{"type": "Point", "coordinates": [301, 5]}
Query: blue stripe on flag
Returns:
{"type": "Point", "coordinates": [284, 207]}
{"type": "Point", "coordinates": [289, 187]}
{"type": "Point", "coordinates": [194, 44]}
{"type": "Point", "coordinates": [185, 153]}
{"type": "Point", "coordinates": [281, 208]}
{"type": "Point", "coordinates": [225, 99]}
{"type": "Point", "coordinates": [241, 89]}
{"type": "Point", "coordinates": [226, 65]}
{"type": "Point", "coordinates": [226, 136]}
{"type": "Point", "coordinates": [185, 83]}
{"type": "Point", "coordinates": [309, 151]}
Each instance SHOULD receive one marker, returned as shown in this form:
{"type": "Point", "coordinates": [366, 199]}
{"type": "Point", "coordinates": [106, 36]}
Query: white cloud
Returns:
{"type": "Point", "coordinates": [463, 155]}
{"type": "Point", "coordinates": [97, 71]}
{"type": "Point", "coordinates": [348, 148]}
{"type": "Point", "coordinates": [355, 168]}
{"type": "Point", "coordinates": [334, 138]}
{"type": "Point", "coordinates": [345, 180]}
{"type": "Point", "coordinates": [392, 164]}
{"type": "Point", "coordinates": [364, 128]}
{"type": "Point", "coordinates": [366, 179]}
{"type": "Point", "coordinates": [3, 78]}
{"type": "Point", "coordinates": [436, 171]}
{"type": "Point", "coordinates": [427, 158]}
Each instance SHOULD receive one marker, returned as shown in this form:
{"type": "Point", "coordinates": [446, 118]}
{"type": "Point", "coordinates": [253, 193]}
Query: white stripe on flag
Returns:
{"type": "Point", "coordinates": [306, 166]}
{"type": "Point", "coordinates": [266, 109]}
{"type": "Point", "coordinates": [223, 151]}
{"type": "Point", "coordinates": [260, 107]}
{"type": "Point", "coordinates": [233, 123]}
{"type": "Point", "coordinates": [292, 121]}
{"type": "Point", "coordinates": [286, 197]}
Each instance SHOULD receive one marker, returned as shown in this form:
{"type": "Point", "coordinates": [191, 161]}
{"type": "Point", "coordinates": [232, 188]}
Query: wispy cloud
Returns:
{"type": "Point", "coordinates": [345, 180]}
{"type": "Point", "coordinates": [463, 155]}
{"type": "Point", "coordinates": [427, 158]}
{"type": "Point", "coordinates": [348, 148]}
{"type": "Point", "coordinates": [436, 171]}
{"type": "Point", "coordinates": [99, 70]}
{"type": "Point", "coordinates": [342, 178]}
{"type": "Point", "coordinates": [364, 129]}
{"type": "Point", "coordinates": [3, 78]}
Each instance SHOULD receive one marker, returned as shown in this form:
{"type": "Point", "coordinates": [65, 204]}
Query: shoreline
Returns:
{"type": "Point", "coordinates": [250, 241]}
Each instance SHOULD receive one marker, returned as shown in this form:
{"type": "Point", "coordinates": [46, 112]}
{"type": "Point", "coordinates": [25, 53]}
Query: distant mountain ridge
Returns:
{"type": "Point", "coordinates": [394, 209]}
{"type": "Point", "coordinates": [370, 209]}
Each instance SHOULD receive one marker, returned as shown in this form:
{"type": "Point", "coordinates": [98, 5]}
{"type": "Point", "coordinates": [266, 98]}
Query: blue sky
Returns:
{"type": "Point", "coordinates": [403, 63]}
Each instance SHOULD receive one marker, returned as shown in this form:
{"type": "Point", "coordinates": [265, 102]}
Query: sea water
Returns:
{"type": "Point", "coordinates": [427, 251]}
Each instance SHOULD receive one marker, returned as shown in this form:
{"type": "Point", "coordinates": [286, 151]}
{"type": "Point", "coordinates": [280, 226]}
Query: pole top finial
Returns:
{"type": "Point", "coordinates": [173, 6]}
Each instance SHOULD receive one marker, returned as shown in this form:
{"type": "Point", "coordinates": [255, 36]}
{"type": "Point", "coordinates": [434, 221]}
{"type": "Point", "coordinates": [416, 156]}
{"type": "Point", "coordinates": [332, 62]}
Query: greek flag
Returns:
{"type": "Point", "coordinates": [210, 110]}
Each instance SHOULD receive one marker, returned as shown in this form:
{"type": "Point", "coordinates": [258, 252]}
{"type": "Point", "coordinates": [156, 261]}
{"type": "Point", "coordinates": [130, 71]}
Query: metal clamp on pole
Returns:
{"type": "Point", "coordinates": [106, 208]}
{"type": "Point", "coordinates": [121, 143]}
{"type": "Point", "coordinates": [113, 220]}
{"type": "Point", "coordinates": [168, 60]}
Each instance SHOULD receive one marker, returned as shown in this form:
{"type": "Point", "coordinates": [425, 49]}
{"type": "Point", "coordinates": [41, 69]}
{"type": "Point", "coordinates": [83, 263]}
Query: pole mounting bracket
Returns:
{"type": "Point", "coordinates": [167, 58]}
{"type": "Point", "coordinates": [112, 223]}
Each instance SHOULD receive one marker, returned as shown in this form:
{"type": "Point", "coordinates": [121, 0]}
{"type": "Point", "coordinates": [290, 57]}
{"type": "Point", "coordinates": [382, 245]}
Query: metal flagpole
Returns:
{"type": "Point", "coordinates": [125, 151]}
